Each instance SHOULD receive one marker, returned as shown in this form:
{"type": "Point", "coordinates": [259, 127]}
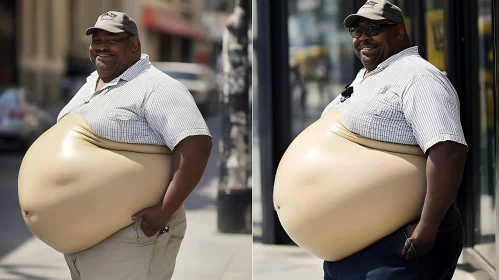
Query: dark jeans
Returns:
{"type": "Point", "coordinates": [383, 259]}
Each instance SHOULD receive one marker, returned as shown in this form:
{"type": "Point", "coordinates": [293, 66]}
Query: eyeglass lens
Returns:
{"type": "Point", "coordinates": [371, 30]}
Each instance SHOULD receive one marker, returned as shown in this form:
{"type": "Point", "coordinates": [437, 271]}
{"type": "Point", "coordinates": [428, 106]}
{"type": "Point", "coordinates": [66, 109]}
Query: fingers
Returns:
{"type": "Point", "coordinates": [141, 213]}
{"type": "Point", "coordinates": [409, 251]}
{"type": "Point", "coordinates": [138, 215]}
{"type": "Point", "coordinates": [148, 229]}
{"type": "Point", "coordinates": [149, 224]}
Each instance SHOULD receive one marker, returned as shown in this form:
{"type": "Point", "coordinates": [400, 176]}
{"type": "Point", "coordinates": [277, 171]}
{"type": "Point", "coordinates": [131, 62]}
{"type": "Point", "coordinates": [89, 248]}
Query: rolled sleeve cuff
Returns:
{"type": "Point", "coordinates": [442, 138]}
{"type": "Point", "coordinates": [186, 133]}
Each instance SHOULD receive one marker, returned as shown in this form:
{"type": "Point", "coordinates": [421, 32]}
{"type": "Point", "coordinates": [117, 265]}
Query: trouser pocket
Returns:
{"type": "Point", "coordinates": [178, 217]}
{"type": "Point", "coordinates": [165, 253]}
{"type": "Point", "coordinates": [141, 237]}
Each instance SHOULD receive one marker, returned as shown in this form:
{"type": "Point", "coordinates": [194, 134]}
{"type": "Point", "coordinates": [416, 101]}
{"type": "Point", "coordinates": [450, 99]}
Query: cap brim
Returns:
{"type": "Point", "coordinates": [111, 29]}
{"type": "Point", "coordinates": [351, 20]}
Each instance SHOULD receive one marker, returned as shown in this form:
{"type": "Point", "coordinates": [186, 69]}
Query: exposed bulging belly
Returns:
{"type": "Point", "coordinates": [76, 189]}
{"type": "Point", "coordinates": [336, 193]}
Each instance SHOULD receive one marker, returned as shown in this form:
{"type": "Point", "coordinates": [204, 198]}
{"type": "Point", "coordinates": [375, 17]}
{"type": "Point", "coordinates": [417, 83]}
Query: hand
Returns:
{"type": "Point", "coordinates": [419, 242]}
{"type": "Point", "coordinates": [154, 220]}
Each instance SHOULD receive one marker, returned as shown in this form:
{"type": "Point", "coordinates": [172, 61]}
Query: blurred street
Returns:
{"type": "Point", "coordinates": [204, 254]}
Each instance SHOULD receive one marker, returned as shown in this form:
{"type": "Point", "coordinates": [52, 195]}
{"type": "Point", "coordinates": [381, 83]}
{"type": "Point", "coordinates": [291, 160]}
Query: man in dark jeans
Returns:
{"type": "Point", "coordinates": [399, 97]}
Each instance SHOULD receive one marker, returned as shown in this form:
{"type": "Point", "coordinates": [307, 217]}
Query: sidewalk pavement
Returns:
{"type": "Point", "coordinates": [204, 254]}
{"type": "Point", "coordinates": [289, 262]}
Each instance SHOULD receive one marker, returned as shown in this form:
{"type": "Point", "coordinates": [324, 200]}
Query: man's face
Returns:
{"type": "Point", "coordinates": [372, 50]}
{"type": "Point", "coordinates": [111, 53]}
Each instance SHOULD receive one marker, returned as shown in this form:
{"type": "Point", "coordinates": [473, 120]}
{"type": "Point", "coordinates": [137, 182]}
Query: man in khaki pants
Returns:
{"type": "Point", "coordinates": [130, 101]}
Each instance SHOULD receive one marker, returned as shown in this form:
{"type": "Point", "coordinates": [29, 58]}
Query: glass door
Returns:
{"type": "Point", "coordinates": [485, 197]}
{"type": "Point", "coordinates": [321, 57]}
{"type": "Point", "coordinates": [436, 35]}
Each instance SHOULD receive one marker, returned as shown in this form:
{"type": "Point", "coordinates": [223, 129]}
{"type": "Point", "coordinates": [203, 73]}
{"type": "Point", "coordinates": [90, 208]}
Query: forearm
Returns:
{"type": "Point", "coordinates": [444, 171]}
{"type": "Point", "coordinates": [189, 163]}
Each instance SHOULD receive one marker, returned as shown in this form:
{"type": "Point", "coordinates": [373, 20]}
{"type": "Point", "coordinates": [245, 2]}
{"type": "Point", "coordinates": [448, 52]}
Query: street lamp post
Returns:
{"type": "Point", "coordinates": [234, 194]}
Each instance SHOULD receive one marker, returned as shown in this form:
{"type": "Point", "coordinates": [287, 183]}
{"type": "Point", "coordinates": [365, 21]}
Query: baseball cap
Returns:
{"type": "Point", "coordinates": [115, 22]}
{"type": "Point", "coordinates": [376, 10]}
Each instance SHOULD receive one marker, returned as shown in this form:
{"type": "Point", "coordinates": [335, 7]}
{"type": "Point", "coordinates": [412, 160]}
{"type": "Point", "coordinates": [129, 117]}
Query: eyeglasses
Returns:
{"type": "Point", "coordinates": [371, 29]}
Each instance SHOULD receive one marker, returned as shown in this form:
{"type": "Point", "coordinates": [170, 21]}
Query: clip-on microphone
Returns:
{"type": "Point", "coordinates": [346, 92]}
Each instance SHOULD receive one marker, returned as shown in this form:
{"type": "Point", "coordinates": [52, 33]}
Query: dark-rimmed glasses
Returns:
{"type": "Point", "coordinates": [370, 29]}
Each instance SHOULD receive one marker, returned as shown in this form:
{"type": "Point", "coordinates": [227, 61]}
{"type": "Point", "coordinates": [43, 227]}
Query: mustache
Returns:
{"type": "Point", "coordinates": [96, 53]}
{"type": "Point", "coordinates": [365, 43]}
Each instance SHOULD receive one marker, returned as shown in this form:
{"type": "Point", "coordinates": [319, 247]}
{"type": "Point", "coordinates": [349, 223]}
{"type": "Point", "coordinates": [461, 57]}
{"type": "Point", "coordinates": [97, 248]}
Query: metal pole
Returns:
{"type": "Point", "coordinates": [234, 195]}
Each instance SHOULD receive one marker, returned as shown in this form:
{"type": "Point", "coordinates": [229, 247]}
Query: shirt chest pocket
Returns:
{"type": "Point", "coordinates": [126, 123]}
{"type": "Point", "coordinates": [388, 105]}
{"type": "Point", "coordinates": [123, 115]}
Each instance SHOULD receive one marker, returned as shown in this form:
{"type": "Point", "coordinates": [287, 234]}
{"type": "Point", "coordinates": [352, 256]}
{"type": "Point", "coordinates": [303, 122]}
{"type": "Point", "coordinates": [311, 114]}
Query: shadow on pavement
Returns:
{"type": "Point", "coordinates": [466, 267]}
{"type": "Point", "coordinates": [17, 271]}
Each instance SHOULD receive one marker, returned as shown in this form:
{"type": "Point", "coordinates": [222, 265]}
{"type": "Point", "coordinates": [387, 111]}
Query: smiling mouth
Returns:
{"type": "Point", "coordinates": [367, 48]}
{"type": "Point", "coordinates": [103, 55]}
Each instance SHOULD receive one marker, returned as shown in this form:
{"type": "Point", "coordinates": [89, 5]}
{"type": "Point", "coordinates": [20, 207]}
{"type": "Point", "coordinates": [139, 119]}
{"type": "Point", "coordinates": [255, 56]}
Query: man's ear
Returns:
{"type": "Point", "coordinates": [400, 32]}
{"type": "Point", "coordinates": [135, 44]}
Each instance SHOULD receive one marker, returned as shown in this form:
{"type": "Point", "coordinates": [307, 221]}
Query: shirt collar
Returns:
{"type": "Point", "coordinates": [407, 52]}
{"type": "Point", "coordinates": [129, 74]}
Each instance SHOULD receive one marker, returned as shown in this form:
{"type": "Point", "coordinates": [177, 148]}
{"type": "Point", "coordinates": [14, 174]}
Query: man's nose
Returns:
{"type": "Point", "coordinates": [364, 36]}
{"type": "Point", "coordinates": [101, 47]}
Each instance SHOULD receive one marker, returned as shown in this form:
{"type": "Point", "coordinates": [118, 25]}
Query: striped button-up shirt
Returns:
{"type": "Point", "coordinates": [143, 105]}
{"type": "Point", "coordinates": [405, 100]}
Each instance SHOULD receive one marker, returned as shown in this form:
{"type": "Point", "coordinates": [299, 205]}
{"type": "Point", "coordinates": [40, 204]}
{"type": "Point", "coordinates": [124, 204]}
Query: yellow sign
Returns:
{"type": "Point", "coordinates": [435, 38]}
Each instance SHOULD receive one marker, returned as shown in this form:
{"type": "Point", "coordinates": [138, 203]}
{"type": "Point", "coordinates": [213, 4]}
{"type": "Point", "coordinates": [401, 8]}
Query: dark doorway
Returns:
{"type": "Point", "coordinates": [8, 63]}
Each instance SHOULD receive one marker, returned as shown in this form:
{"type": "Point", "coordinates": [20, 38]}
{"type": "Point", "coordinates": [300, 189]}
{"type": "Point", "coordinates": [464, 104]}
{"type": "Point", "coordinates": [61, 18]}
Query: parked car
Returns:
{"type": "Point", "coordinates": [21, 122]}
{"type": "Point", "coordinates": [199, 79]}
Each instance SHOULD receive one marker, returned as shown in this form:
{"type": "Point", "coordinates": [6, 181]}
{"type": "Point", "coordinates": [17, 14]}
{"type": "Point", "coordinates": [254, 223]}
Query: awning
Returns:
{"type": "Point", "coordinates": [161, 21]}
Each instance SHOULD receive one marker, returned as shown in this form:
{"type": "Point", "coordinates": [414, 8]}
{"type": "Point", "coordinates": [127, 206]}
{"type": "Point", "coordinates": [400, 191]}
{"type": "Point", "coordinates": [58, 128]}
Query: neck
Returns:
{"type": "Point", "coordinates": [404, 46]}
{"type": "Point", "coordinates": [100, 84]}
{"type": "Point", "coordinates": [104, 80]}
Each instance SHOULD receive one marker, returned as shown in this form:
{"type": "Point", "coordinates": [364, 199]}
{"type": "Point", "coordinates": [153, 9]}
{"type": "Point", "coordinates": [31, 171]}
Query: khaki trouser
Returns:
{"type": "Point", "coordinates": [129, 254]}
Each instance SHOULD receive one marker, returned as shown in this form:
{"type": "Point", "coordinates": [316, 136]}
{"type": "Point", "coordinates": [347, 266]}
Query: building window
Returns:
{"type": "Point", "coordinates": [186, 49]}
{"type": "Point", "coordinates": [165, 50]}
{"type": "Point", "coordinates": [186, 14]}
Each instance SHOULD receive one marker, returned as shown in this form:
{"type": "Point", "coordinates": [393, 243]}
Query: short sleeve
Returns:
{"type": "Point", "coordinates": [171, 111]}
{"type": "Point", "coordinates": [431, 107]}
